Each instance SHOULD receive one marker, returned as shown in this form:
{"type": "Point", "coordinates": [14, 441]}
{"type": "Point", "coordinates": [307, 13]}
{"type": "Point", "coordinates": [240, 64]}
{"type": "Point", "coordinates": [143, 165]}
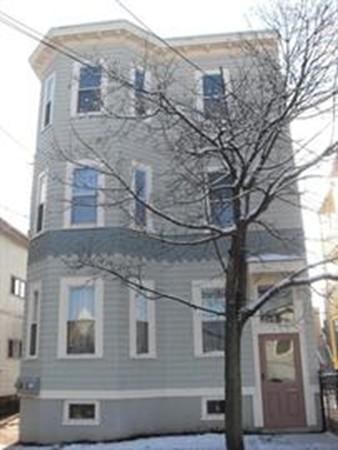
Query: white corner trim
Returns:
{"type": "Point", "coordinates": [151, 327]}
{"type": "Point", "coordinates": [68, 193]}
{"type": "Point", "coordinates": [65, 284]}
{"type": "Point", "coordinates": [36, 286]}
{"type": "Point", "coordinates": [66, 419]}
{"type": "Point", "coordinates": [136, 394]}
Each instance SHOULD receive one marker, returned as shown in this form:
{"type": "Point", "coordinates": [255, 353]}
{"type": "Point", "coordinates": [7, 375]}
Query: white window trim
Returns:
{"type": "Point", "coordinates": [132, 325]}
{"type": "Point", "coordinates": [147, 85]}
{"type": "Point", "coordinates": [204, 409]}
{"type": "Point", "coordinates": [67, 219]}
{"type": "Point", "coordinates": [65, 284]}
{"type": "Point", "coordinates": [43, 173]}
{"type": "Point", "coordinates": [149, 182]}
{"type": "Point", "coordinates": [67, 421]}
{"type": "Point", "coordinates": [36, 286]}
{"type": "Point", "coordinates": [199, 85]}
{"type": "Point", "coordinates": [197, 286]}
{"type": "Point", "coordinates": [75, 89]}
{"type": "Point", "coordinates": [52, 78]}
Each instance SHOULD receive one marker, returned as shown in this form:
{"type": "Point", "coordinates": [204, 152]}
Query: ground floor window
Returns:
{"type": "Point", "coordinates": [81, 412]}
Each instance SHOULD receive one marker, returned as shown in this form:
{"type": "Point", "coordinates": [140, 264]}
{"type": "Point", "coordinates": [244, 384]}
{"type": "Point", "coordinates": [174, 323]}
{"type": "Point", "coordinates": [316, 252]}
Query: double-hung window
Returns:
{"type": "Point", "coordinates": [220, 196]}
{"type": "Point", "coordinates": [84, 203]}
{"type": "Point", "coordinates": [89, 89]}
{"type": "Point", "coordinates": [142, 325]}
{"type": "Point", "coordinates": [139, 87]}
{"type": "Point", "coordinates": [48, 99]}
{"type": "Point", "coordinates": [209, 325]}
{"type": "Point", "coordinates": [141, 188]}
{"type": "Point", "coordinates": [80, 318]}
{"type": "Point", "coordinates": [33, 322]}
{"type": "Point", "coordinates": [41, 201]}
{"type": "Point", "coordinates": [141, 82]}
{"type": "Point", "coordinates": [213, 93]}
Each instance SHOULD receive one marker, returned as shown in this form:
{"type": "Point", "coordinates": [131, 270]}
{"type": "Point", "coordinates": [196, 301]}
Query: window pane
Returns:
{"type": "Point", "coordinates": [141, 192]}
{"type": "Point", "coordinates": [213, 85]}
{"type": "Point", "coordinates": [85, 181]}
{"type": "Point", "coordinates": [142, 337]}
{"type": "Point", "coordinates": [280, 360]}
{"type": "Point", "coordinates": [81, 337]}
{"type": "Point", "coordinates": [215, 406]}
{"type": "Point", "coordinates": [139, 84]}
{"type": "Point", "coordinates": [213, 336]}
{"type": "Point", "coordinates": [81, 323]}
{"type": "Point", "coordinates": [89, 100]}
{"type": "Point", "coordinates": [212, 298]}
{"type": "Point", "coordinates": [33, 339]}
{"type": "Point", "coordinates": [213, 93]}
{"type": "Point", "coordinates": [220, 199]}
{"type": "Point", "coordinates": [81, 303]}
{"type": "Point", "coordinates": [84, 209]}
{"type": "Point", "coordinates": [82, 411]}
{"type": "Point", "coordinates": [39, 222]}
{"type": "Point", "coordinates": [48, 109]}
{"type": "Point", "coordinates": [90, 77]}
{"type": "Point", "coordinates": [141, 308]}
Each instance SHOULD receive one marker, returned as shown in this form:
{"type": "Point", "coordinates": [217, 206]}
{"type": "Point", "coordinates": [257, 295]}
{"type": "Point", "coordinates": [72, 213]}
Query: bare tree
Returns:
{"type": "Point", "coordinates": [242, 130]}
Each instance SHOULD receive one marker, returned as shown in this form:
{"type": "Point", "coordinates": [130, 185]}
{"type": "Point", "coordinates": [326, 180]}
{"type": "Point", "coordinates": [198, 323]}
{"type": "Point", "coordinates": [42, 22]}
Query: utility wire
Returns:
{"type": "Point", "coordinates": [159, 38]}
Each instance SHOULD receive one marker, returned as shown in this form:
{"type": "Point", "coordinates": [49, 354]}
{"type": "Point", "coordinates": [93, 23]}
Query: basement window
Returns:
{"type": "Point", "coordinates": [213, 408]}
{"type": "Point", "coordinates": [81, 412]}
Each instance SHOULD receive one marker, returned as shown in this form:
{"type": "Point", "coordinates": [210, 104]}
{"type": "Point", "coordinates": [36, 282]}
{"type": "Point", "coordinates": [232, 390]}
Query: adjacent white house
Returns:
{"type": "Point", "coordinates": [13, 262]}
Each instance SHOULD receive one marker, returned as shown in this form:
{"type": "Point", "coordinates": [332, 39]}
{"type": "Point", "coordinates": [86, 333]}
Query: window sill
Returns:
{"type": "Point", "coordinates": [71, 226]}
{"type": "Point", "coordinates": [209, 355]}
{"type": "Point", "coordinates": [81, 423]}
{"type": "Point", "coordinates": [216, 417]}
{"type": "Point", "coordinates": [78, 115]}
{"type": "Point", "coordinates": [79, 357]}
{"type": "Point", "coordinates": [143, 356]}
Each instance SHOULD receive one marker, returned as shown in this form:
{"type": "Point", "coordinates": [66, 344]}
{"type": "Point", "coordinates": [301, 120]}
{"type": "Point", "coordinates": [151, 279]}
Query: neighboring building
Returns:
{"type": "Point", "coordinates": [13, 262]}
{"type": "Point", "coordinates": [97, 354]}
{"type": "Point", "coordinates": [329, 231]}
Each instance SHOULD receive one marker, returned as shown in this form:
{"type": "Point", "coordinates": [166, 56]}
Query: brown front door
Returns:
{"type": "Point", "coordinates": [282, 381]}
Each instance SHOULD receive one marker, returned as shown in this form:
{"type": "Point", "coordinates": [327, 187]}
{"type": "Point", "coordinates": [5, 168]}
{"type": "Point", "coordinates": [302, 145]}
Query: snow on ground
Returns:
{"type": "Point", "coordinates": [315, 441]}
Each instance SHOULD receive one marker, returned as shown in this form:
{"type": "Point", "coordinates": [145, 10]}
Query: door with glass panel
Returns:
{"type": "Point", "coordinates": [282, 381]}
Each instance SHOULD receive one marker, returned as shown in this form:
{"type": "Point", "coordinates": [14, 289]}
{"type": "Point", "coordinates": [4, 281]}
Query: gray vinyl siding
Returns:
{"type": "Point", "coordinates": [122, 147]}
{"type": "Point", "coordinates": [175, 365]}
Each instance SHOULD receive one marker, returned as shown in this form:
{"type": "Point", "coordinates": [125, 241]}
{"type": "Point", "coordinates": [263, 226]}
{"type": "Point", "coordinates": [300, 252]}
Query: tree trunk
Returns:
{"type": "Point", "coordinates": [235, 297]}
{"type": "Point", "coordinates": [233, 386]}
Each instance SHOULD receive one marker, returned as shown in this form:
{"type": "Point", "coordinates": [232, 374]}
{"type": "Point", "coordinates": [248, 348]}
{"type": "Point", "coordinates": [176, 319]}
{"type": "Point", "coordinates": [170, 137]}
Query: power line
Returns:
{"type": "Point", "coordinates": [159, 38]}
